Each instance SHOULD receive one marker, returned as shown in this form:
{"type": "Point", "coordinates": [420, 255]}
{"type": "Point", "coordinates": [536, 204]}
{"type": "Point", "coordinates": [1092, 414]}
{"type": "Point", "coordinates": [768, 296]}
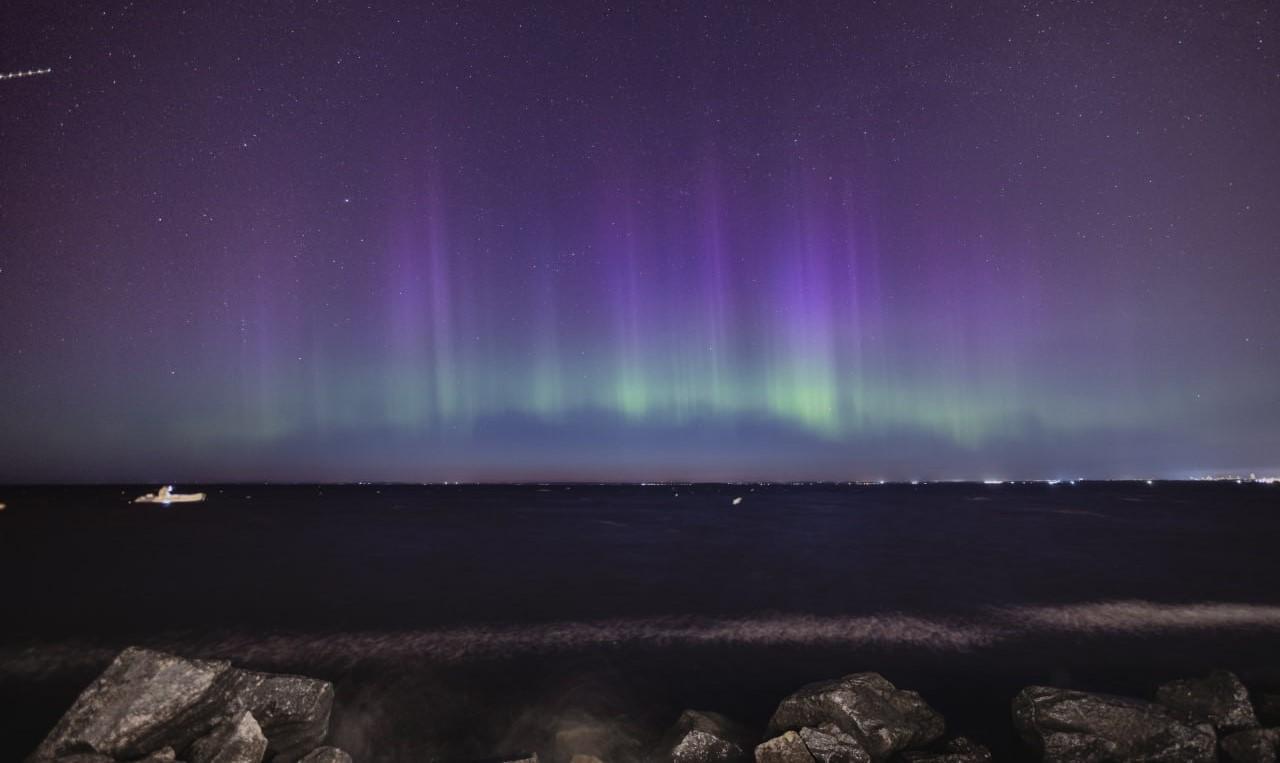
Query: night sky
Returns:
{"type": "Point", "coordinates": [907, 240]}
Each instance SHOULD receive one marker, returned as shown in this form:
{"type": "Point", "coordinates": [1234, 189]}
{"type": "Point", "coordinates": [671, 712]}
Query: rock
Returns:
{"type": "Point", "coordinates": [1250, 746]}
{"type": "Point", "coordinates": [293, 711]}
{"type": "Point", "coordinates": [143, 701]}
{"type": "Point", "coordinates": [830, 744]}
{"type": "Point", "coordinates": [786, 748]}
{"type": "Point", "coordinates": [958, 750]}
{"type": "Point", "coordinates": [163, 755]}
{"type": "Point", "coordinates": [86, 757]}
{"type": "Point", "coordinates": [1065, 725]}
{"type": "Point", "coordinates": [704, 737]}
{"type": "Point", "coordinates": [146, 700]}
{"type": "Point", "coordinates": [882, 718]}
{"type": "Point", "coordinates": [326, 755]}
{"type": "Point", "coordinates": [580, 758]}
{"type": "Point", "coordinates": [1218, 699]}
{"type": "Point", "coordinates": [238, 740]}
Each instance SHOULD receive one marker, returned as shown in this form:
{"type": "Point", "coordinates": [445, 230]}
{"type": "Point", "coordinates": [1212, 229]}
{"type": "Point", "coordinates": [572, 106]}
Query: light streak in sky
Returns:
{"type": "Point", "coordinates": [27, 73]}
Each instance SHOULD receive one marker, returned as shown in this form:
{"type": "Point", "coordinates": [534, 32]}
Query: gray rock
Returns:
{"type": "Point", "coordinates": [86, 757]}
{"type": "Point", "coordinates": [326, 755]}
{"type": "Point", "coordinates": [830, 744]}
{"type": "Point", "coordinates": [1250, 746]}
{"type": "Point", "coordinates": [143, 701]}
{"type": "Point", "coordinates": [1070, 726]}
{"type": "Point", "coordinates": [881, 717]}
{"type": "Point", "coordinates": [237, 740]}
{"type": "Point", "coordinates": [1218, 699]}
{"type": "Point", "coordinates": [293, 711]}
{"type": "Point", "coordinates": [704, 737]}
{"type": "Point", "coordinates": [163, 755]}
{"type": "Point", "coordinates": [958, 750]}
{"type": "Point", "coordinates": [785, 748]}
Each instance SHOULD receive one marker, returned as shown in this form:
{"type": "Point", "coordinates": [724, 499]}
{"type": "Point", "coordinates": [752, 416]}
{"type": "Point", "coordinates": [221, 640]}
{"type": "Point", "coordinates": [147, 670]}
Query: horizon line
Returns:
{"type": "Point", "coordinates": [1241, 479]}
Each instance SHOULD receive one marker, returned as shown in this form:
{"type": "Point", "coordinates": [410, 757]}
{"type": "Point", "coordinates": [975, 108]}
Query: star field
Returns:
{"type": "Point", "coordinates": [328, 241]}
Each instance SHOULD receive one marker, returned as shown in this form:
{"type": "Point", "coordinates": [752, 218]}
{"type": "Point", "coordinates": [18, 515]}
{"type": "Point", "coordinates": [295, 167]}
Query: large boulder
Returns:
{"type": "Point", "coordinates": [143, 701]}
{"type": "Point", "coordinates": [326, 755]}
{"type": "Point", "coordinates": [1218, 699]}
{"type": "Point", "coordinates": [784, 748]}
{"type": "Point", "coordinates": [826, 744]}
{"type": "Point", "coordinates": [1070, 726]}
{"type": "Point", "coordinates": [882, 718]}
{"type": "Point", "coordinates": [704, 737]}
{"type": "Point", "coordinates": [147, 700]}
{"type": "Point", "coordinates": [293, 711]}
{"type": "Point", "coordinates": [831, 744]}
{"type": "Point", "coordinates": [1250, 746]}
{"type": "Point", "coordinates": [237, 740]}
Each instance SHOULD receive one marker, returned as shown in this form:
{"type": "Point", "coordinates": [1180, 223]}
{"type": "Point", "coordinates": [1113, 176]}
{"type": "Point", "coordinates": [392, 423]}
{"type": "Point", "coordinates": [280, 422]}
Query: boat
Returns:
{"type": "Point", "coordinates": [166, 496]}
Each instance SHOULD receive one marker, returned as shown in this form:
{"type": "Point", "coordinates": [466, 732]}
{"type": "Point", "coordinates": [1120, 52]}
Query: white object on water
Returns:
{"type": "Point", "coordinates": [737, 500]}
{"type": "Point", "coordinates": [166, 496]}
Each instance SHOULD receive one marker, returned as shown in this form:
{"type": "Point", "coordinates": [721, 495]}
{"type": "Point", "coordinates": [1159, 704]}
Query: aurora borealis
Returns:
{"type": "Point", "coordinates": [664, 241]}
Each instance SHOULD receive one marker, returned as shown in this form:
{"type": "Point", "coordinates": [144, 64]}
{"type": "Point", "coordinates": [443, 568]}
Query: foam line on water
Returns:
{"type": "Point", "coordinates": [985, 628]}
{"type": "Point", "coordinates": [1137, 616]}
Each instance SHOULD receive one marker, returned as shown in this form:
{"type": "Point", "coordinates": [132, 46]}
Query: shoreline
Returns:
{"type": "Point", "coordinates": [186, 706]}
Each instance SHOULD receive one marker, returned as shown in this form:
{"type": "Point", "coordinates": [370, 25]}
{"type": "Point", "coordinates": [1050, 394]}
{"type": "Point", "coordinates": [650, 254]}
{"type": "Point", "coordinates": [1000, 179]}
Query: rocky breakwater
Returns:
{"type": "Point", "coordinates": [863, 718]}
{"type": "Point", "coordinates": [860, 718]}
{"type": "Point", "coordinates": [153, 707]}
{"type": "Point", "coordinates": [1191, 721]}
{"type": "Point", "coordinates": [150, 707]}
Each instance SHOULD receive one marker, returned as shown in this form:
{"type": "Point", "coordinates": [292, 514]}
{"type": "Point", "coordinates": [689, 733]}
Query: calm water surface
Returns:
{"type": "Point", "coordinates": [462, 621]}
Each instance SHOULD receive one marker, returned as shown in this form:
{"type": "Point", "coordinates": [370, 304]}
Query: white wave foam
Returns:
{"type": "Point", "coordinates": [984, 628]}
{"type": "Point", "coordinates": [1137, 616]}
{"type": "Point", "coordinates": [459, 644]}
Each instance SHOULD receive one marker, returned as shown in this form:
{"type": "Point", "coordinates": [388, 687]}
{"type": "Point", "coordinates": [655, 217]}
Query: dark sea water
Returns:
{"type": "Point", "coordinates": [465, 621]}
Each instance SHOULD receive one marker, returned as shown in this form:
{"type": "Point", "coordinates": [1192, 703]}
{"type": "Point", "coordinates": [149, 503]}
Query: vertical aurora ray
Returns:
{"type": "Point", "coordinates": [856, 242]}
{"type": "Point", "coordinates": [711, 310]}
{"type": "Point", "coordinates": [717, 316]}
{"type": "Point", "coordinates": [711, 313]}
{"type": "Point", "coordinates": [631, 391]}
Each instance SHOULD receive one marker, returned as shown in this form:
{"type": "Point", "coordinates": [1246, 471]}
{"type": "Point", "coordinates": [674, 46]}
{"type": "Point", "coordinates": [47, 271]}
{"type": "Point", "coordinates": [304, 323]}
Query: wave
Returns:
{"type": "Point", "coordinates": [1137, 617]}
{"type": "Point", "coordinates": [984, 628]}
